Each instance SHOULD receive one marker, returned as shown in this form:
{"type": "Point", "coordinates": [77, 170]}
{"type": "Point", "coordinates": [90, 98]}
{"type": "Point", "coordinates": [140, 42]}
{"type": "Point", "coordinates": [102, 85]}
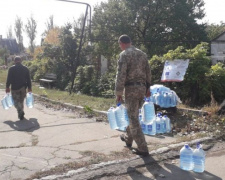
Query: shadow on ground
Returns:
{"type": "Point", "coordinates": [155, 171]}
{"type": "Point", "coordinates": [24, 125]}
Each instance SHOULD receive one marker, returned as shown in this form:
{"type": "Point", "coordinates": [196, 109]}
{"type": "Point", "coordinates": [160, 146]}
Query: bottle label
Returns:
{"type": "Point", "coordinates": [149, 127]}
{"type": "Point", "coordinates": [157, 126]}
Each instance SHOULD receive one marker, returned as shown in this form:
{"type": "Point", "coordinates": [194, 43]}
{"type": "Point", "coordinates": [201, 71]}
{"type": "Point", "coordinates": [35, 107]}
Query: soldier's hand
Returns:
{"type": "Point", "coordinates": [119, 98]}
{"type": "Point", "coordinates": [148, 93]}
{"type": "Point", "coordinates": [7, 90]}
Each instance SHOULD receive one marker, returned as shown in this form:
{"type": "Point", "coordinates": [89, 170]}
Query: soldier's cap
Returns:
{"type": "Point", "coordinates": [124, 39]}
{"type": "Point", "coordinates": [17, 58]}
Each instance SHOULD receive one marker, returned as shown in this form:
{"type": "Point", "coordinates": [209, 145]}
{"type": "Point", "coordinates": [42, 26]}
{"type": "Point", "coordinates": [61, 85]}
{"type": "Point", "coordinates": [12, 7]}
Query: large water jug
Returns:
{"type": "Point", "coordinates": [4, 103]}
{"type": "Point", "coordinates": [163, 124]}
{"type": "Point", "coordinates": [168, 123]}
{"type": "Point", "coordinates": [199, 159]}
{"type": "Point", "coordinates": [9, 100]}
{"type": "Point", "coordinates": [159, 123]}
{"type": "Point", "coordinates": [30, 100]}
{"type": "Point", "coordinates": [120, 116]}
{"type": "Point", "coordinates": [140, 115]}
{"type": "Point", "coordinates": [148, 111]}
{"type": "Point", "coordinates": [158, 98]}
{"type": "Point", "coordinates": [186, 158]}
{"type": "Point", "coordinates": [112, 118]}
{"type": "Point", "coordinates": [143, 127]}
{"type": "Point", "coordinates": [151, 127]}
{"type": "Point", "coordinates": [173, 99]}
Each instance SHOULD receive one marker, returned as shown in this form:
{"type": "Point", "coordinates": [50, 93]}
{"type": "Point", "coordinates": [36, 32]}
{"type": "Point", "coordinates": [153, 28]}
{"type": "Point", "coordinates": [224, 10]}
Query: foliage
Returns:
{"type": "Point", "coordinates": [195, 89]}
{"type": "Point", "coordinates": [213, 30]}
{"type": "Point", "coordinates": [31, 30]}
{"type": "Point", "coordinates": [19, 31]}
{"type": "Point", "coordinates": [154, 26]}
{"type": "Point", "coordinates": [216, 76]}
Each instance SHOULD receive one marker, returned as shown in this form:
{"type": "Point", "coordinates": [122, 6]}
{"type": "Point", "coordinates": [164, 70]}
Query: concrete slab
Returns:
{"type": "Point", "coordinates": [48, 138]}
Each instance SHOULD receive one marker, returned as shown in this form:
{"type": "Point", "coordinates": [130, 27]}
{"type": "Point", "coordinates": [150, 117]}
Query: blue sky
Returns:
{"type": "Point", "coordinates": [64, 12]}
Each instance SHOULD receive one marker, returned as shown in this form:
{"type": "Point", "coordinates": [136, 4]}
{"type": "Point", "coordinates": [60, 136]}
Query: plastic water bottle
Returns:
{"type": "Point", "coordinates": [143, 127]}
{"type": "Point", "coordinates": [126, 116]}
{"type": "Point", "coordinates": [199, 159]}
{"type": "Point", "coordinates": [112, 118]}
{"type": "Point", "coordinates": [186, 158]}
{"type": "Point", "coordinates": [4, 103]}
{"type": "Point", "coordinates": [159, 123]}
{"type": "Point", "coordinates": [151, 127]}
{"type": "Point", "coordinates": [148, 111]}
{"type": "Point", "coordinates": [173, 100]}
{"type": "Point", "coordinates": [140, 115]}
{"type": "Point", "coordinates": [167, 125]}
{"type": "Point", "coordinates": [30, 100]}
{"type": "Point", "coordinates": [120, 117]}
{"type": "Point", "coordinates": [163, 124]}
{"type": "Point", "coordinates": [9, 100]}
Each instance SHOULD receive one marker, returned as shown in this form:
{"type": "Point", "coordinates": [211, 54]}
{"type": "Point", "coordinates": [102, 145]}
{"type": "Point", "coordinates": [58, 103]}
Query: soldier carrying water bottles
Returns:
{"type": "Point", "coordinates": [133, 76]}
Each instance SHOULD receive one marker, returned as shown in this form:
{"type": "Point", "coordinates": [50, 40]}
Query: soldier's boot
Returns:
{"type": "Point", "coordinates": [123, 138]}
{"type": "Point", "coordinates": [136, 151]}
{"type": "Point", "coordinates": [21, 115]}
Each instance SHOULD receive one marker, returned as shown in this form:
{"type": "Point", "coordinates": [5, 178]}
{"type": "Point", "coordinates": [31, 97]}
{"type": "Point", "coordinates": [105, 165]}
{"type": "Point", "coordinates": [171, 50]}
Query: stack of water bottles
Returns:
{"type": "Point", "coordinates": [163, 96]}
{"type": "Point", "coordinates": [118, 117]}
{"type": "Point", "coordinates": [192, 159]}
{"type": "Point", "coordinates": [7, 101]}
{"type": "Point", "coordinates": [151, 123]}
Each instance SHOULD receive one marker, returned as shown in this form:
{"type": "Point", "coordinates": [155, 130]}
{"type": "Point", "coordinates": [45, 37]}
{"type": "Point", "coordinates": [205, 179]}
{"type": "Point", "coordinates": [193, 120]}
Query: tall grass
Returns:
{"type": "Point", "coordinates": [101, 104]}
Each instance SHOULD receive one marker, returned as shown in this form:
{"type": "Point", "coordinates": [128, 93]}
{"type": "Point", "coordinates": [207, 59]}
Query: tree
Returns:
{"type": "Point", "coordinates": [31, 31]}
{"type": "Point", "coordinates": [52, 36]}
{"type": "Point", "coordinates": [68, 47]}
{"type": "Point", "coordinates": [49, 24]}
{"type": "Point", "coordinates": [9, 33]}
{"type": "Point", "coordinates": [19, 31]}
{"type": "Point", "coordinates": [154, 26]}
{"type": "Point", "coordinates": [213, 30]}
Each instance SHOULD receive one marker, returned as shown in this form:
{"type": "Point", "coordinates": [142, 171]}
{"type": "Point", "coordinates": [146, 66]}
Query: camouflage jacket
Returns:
{"type": "Point", "coordinates": [132, 67]}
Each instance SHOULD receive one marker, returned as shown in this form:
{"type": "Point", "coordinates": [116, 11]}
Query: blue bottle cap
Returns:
{"type": "Point", "coordinates": [118, 104]}
{"type": "Point", "coordinates": [186, 146]}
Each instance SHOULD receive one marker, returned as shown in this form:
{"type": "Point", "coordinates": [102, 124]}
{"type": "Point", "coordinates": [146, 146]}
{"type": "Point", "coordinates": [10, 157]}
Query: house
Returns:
{"type": "Point", "coordinates": [9, 44]}
{"type": "Point", "coordinates": [218, 49]}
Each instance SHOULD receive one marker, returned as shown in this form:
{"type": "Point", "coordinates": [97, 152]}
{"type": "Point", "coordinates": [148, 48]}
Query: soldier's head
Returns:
{"type": "Point", "coordinates": [124, 41]}
{"type": "Point", "coordinates": [17, 59]}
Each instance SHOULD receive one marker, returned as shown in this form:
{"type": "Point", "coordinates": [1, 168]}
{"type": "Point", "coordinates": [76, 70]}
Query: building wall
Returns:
{"type": "Point", "coordinates": [218, 50]}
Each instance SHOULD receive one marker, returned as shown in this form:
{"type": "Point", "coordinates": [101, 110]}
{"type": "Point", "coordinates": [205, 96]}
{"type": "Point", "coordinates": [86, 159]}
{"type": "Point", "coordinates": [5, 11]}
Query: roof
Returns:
{"type": "Point", "coordinates": [11, 45]}
{"type": "Point", "coordinates": [218, 37]}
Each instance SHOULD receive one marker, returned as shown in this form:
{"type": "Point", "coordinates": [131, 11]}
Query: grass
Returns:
{"type": "Point", "coordinates": [89, 102]}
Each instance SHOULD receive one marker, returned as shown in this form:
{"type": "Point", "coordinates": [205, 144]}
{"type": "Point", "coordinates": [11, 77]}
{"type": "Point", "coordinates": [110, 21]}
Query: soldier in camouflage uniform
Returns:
{"type": "Point", "coordinates": [19, 79]}
{"type": "Point", "coordinates": [133, 76]}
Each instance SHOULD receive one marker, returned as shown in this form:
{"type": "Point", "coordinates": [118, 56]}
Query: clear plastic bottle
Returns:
{"type": "Point", "coordinates": [186, 158]}
{"type": "Point", "coordinates": [140, 115]}
{"type": "Point", "coordinates": [199, 159]}
{"type": "Point", "coordinates": [151, 127]}
{"type": "Point", "coordinates": [148, 111]}
{"type": "Point", "coordinates": [173, 100]}
{"type": "Point", "coordinates": [163, 124]}
{"type": "Point", "coordinates": [112, 118]}
{"type": "Point", "coordinates": [9, 100]}
{"type": "Point", "coordinates": [30, 100]}
{"type": "Point", "coordinates": [159, 123]}
{"type": "Point", "coordinates": [4, 103]}
{"type": "Point", "coordinates": [120, 117]}
{"type": "Point", "coordinates": [143, 127]}
{"type": "Point", "coordinates": [168, 124]}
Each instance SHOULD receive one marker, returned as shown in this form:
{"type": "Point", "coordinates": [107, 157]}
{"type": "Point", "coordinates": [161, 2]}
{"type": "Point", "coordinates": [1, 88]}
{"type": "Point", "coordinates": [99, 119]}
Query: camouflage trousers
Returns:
{"type": "Point", "coordinates": [18, 98]}
{"type": "Point", "coordinates": [134, 96]}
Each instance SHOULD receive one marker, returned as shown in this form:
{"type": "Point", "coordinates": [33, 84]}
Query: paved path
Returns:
{"type": "Point", "coordinates": [48, 138]}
